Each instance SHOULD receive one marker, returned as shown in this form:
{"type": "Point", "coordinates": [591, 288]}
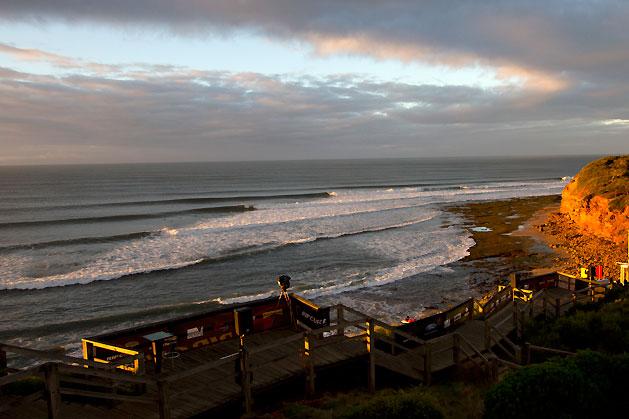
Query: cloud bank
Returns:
{"type": "Point", "coordinates": [565, 63]}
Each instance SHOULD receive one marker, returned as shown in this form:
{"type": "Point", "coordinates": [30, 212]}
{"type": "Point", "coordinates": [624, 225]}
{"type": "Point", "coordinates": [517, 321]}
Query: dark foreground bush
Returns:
{"type": "Point", "coordinates": [586, 386]}
{"type": "Point", "coordinates": [602, 327]}
{"type": "Point", "coordinates": [399, 406]}
{"type": "Point", "coordinates": [383, 405]}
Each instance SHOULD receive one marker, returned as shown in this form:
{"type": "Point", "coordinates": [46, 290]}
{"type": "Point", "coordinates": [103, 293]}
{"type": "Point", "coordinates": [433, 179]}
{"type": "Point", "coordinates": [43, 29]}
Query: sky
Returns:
{"type": "Point", "coordinates": [200, 80]}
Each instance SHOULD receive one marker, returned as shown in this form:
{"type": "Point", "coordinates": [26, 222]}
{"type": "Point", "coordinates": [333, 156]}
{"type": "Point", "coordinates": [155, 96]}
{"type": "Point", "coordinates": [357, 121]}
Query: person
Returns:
{"type": "Point", "coordinates": [408, 319]}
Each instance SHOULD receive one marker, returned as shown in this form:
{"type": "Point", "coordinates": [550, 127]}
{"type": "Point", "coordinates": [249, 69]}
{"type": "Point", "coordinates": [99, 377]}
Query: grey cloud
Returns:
{"type": "Point", "coordinates": [579, 40]}
{"type": "Point", "coordinates": [198, 115]}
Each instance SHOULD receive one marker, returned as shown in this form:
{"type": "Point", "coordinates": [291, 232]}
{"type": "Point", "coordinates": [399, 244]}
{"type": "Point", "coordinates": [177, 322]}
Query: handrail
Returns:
{"type": "Point", "coordinates": [506, 339]}
{"type": "Point", "coordinates": [470, 357]}
{"type": "Point", "coordinates": [113, 375]}
{"type": "Point", "coordinates": [170, 377]}
{"type": "Point", "coordinates": [538, 293]}
{"type": "Point", "coordinates": [384, 325]}
{"type": "Point", "coordinates": [16, 376]}
{"type": "Point", "coordinates": [343, 324]}
{"type": "Point", "coordinates": [279, 342]}
{"type": "Point", "coordinates": [471, 345]}
{"type": "Point", "coordinates": [509, 363]}
{"type": "Point", "coordinates": [48, 356]}
{"type": "Point", "coordinates": [353, 311]}
{"type": "Point", "coordinates": [551, 350]}
{"type": "Point", "coordinates": [501, 322]}
{"type": "Point", "coordinates": [108, 396]}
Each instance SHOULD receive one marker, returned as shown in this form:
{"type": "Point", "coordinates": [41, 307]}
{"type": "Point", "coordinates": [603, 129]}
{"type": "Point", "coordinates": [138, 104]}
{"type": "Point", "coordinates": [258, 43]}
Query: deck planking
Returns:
{"type": "Point", "coordinates": [217, 386]}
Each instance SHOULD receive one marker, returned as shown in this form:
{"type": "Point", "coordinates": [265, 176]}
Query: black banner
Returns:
{"type": "Point", "coordinates": [440, 323]}
{"type": "Point", "coordinates": [310, 314]}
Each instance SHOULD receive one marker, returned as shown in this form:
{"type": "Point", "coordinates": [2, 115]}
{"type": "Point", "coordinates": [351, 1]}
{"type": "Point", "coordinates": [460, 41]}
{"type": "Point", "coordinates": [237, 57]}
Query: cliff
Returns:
{"type": "Point", "coordinates": [597, 199]}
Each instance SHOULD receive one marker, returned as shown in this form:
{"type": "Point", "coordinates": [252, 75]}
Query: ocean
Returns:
{"type": "Point", "coordinates": [89, 249]}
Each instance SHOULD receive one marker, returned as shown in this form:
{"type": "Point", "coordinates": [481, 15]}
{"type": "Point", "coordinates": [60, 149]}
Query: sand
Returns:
{"type": "Point", "coordinates": [530, 234]}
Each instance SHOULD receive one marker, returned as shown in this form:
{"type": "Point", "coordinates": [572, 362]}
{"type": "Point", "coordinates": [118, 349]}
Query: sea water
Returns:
{"type": "Point", "coordinates": [88, 249]}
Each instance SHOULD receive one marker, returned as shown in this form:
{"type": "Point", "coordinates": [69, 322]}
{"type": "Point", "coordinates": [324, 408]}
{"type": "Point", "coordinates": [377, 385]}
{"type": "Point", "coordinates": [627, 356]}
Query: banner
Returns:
{"type": "Point", "coordinates": [310, 314]}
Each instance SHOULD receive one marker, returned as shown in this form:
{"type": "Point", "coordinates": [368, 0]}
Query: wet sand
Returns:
{"type": "Point", "coordinates": [507, 240]}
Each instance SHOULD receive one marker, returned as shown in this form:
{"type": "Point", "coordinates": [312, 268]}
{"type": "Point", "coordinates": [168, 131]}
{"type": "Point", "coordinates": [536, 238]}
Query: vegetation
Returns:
{"type": "Point", "coordinates": [588, 385]}
{"type": "Point", "coordinates": [607, 177]}
{"type": "Point", "coordinates": [601, 327]}
{"type": "Point", "coordinates": [455, 401]}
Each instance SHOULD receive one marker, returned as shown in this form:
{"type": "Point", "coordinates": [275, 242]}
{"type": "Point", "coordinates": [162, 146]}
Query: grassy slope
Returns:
{"type": "Point", "coordinates": [607, 177]}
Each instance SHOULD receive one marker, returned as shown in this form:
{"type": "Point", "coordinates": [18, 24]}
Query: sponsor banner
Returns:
{"type": "Point", "coordinates": [440, 323]}
{"type": "Point", "coordinates": [310, 314]}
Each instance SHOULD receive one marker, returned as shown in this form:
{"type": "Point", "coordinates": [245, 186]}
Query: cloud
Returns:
{"type": "Point", "coordinates": [547, 43]}
{"type": "Point", "coordinates": [565, 67]}
{"type": "Point", "coordinates": [186, 114]}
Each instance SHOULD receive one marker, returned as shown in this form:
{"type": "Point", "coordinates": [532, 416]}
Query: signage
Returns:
{"type": "Point", "coordinates": [310, 314]}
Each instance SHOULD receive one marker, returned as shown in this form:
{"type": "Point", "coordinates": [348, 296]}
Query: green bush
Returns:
{"type": "Point", "coordinates": [397, 406]}
{"type": "Point", "coordinates": [588, 385]}
{"type": "Point", "coordinates": [605, 329]}
{"type": "Point", "coordinates": [387, 404]}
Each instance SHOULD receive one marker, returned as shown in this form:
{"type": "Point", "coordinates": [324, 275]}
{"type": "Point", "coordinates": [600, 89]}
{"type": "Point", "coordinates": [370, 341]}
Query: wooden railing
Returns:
{"type": "Point", "coordinates": [64, 374]}
{"type": "Point", "coordinates": [69, 375]}
{"type": "Point", "coordinates": [493, 301]}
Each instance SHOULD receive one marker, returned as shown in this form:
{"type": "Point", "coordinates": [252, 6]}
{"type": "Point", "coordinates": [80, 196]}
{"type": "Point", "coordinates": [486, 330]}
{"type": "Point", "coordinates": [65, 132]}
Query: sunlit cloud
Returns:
{"type": "Point", "coordinates": [546, 77]}
{"type": "Point", "coordinates": [616, 122]}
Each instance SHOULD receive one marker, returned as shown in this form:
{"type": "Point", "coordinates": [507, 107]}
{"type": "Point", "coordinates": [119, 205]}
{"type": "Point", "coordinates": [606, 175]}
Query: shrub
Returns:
{"type": "Point", "coordinates": [605, 329]}
{"type": "Point", "coordinates": [396, 406]}
{"type": "Point", "coordinates": [588, 385]}
{"type": "Point", "coordinates": [387, 404]}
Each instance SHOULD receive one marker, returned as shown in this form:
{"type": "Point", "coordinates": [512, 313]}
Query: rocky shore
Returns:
{"type": "Point", "coordinates": [587, 225]}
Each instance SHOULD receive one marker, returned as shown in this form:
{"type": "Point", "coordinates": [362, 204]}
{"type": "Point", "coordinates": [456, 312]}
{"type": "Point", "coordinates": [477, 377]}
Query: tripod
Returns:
{"type": "Point", "coordinates": [284, 296]}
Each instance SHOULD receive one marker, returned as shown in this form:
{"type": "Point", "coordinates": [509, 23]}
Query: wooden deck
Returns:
{"type": "Point", "coordinates": [202, 379]}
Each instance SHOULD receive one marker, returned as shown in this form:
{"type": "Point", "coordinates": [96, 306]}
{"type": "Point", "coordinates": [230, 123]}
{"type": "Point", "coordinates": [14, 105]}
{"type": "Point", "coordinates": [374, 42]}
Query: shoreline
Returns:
{"type": "Point", "coordinates": [544, 239]}
{"type": "Point", "coordinates": [506, 240]}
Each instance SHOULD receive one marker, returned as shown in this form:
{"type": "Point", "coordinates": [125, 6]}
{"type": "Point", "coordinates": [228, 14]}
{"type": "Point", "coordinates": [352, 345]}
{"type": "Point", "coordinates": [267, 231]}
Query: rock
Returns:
{"type": "Point", "coordinates": [597, 198]}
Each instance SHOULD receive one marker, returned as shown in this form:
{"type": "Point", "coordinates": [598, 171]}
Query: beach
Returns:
{"type": "Point", "coordinates": [392, 238]}
{"type": "Point", "coordinates": [507, 240]}
{"type": "Point", "coordinates": [530, 235]}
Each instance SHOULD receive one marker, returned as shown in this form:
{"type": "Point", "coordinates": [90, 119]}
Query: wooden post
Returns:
{"type": "Point", "coordinates": [456, 348]}
{"type": "Point", "coordinates": [427, 363]}
{"type": "Point", "coordinates": [310, 375]}
{"type": "Point", "coordinates": [3, 363]}
{"type": "Point", "coordinates": [487, 335]}
{"type": "Point", "coordinates": [371, 346]}
{"type": "Point", "coordinates": [53, 396]}
{"type": "Point", "coordinates": [163, 399]}
{"type": "Point", "coordinates": [515, 315]}
{"type": "Point", "coordinates": [141, 387]}
{"type": "Point", "coordinates": [519, 354]}
{"type": "Point", "coordinates": [557, 308]}
{"type": "Point", "coordinates": [517, 321]}
{"type": "Point", "coordinates": [527, 353]}
{"type": "Point", "coordinates": [340, 319]}
{"type": "Point", "coordinates": [245, 376]}
{"type": "Point", "coordinates": [141, 364]}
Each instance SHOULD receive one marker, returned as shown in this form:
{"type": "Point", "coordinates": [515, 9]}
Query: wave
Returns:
{"type": "Point", "coordinates": [254, 250]}
{"type": "Point", "coordinates": [78, 240]}
{"type": "Point", "coordinates": [63, 280]}
{"type": "Point", "coordinates": [125, 217]}
{"type": "Point", "coordinates": [180, 201]}
{"type": "Point", "coordinates": [406, 269]}
{"type": "Point", "coordinates": [82, 277]}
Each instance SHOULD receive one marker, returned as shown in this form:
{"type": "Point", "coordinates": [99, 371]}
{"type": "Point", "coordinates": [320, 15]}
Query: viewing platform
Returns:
{"type": "Point", "coordinates": [191, 365]}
